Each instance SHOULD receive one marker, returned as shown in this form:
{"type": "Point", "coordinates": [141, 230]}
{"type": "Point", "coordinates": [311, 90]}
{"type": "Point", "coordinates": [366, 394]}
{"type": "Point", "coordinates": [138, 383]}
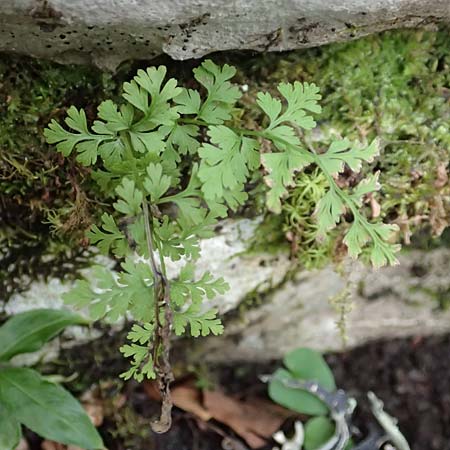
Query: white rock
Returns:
{"type": "Point", "coordinates": [107, 32]}
{"type": "Point", "coordinates": [391, 302]}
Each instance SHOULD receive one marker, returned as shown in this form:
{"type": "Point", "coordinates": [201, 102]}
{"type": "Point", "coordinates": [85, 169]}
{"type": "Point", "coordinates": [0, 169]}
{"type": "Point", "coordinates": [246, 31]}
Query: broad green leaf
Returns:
{"type": "Point", "coordinates": [296, 399]}
{"type": "Point", "coordinates": [318, 431]}
{"type": "Point", "coordinates": [29, 331]}
{"type": "Point", "coordinates": [46, 408]}
{"type": "Point", "coordinates": [10, 430]}
{"type": "Point", "coordinates": [307, 364]}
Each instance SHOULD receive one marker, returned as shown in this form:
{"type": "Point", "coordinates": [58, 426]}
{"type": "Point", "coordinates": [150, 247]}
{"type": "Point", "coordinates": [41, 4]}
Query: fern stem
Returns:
{"type": "Point", "coordinates": [149, 238]}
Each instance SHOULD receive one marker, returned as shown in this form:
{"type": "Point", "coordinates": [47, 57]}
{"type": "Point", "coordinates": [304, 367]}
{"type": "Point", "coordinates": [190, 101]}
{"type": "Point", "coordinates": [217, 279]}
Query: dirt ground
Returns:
{"type": "Point", "coordinates": [411, 376]}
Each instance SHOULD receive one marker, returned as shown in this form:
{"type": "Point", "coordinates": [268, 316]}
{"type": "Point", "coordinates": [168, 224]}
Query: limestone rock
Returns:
{"type": "Point", "coordinates": [387, 303]}
{"type": "Point", "coordinates": [107, 32]}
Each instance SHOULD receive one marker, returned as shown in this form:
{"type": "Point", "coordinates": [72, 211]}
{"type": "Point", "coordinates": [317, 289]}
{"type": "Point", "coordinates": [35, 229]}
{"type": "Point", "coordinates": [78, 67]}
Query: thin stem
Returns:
{"type": "Point", "coordinates": [161, 344]}
{"type": "Point", "coordinates": [148, 235]}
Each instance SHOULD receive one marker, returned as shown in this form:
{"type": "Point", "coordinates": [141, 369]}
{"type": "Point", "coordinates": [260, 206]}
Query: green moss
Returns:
{"type": "Point", "coordinates": [37, 186]}
{"type": "Point", "coordinates": [395, 86]}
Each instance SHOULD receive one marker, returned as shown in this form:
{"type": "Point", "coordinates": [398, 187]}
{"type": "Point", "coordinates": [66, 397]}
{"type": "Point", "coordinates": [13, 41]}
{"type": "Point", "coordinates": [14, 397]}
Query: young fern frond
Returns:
{"type": "Point", "coordinates": [142, 147]}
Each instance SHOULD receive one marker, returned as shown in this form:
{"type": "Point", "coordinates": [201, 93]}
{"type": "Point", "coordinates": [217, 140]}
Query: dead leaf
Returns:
{"type": "Point", "coordinates": [23, 445]}
{"type": "Point", "coordinates": [52, 445]}
{"type": "Point", "coordinates": [438, 216]}
{"type": "Point", "coordinates": [375, 207]}
{"type": "Point", "coordinates": [93, 405]}
{"type": "Point", "coordinates": [255, 420]}
{"type": "Point", "coordinates": [442, 175]}
{"type": "Point", "coordinates": [185, 396]}
{"type": "Point", "coordinates": [404, 226]}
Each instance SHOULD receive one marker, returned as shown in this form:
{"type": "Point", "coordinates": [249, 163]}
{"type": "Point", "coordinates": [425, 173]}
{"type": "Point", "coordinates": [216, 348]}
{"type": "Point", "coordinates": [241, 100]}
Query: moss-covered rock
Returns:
{"type": "Point", "coordinates": [394, 86]}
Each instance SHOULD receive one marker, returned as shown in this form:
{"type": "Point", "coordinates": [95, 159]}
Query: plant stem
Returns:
{"type": "Point", "coordinates": [161, 343]}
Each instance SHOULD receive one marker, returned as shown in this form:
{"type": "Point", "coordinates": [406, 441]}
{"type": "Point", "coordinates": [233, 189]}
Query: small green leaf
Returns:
{"type": "Point", "coordinates": [222, 95]}
{"type": "Point", "coordinates": [46, 408]}
{"type": "Point", "coordinates": [86, 143]}
{"type": "Point", "coordinates": [201, 323]}
{"type": "Point", "coordinates": [342, 152]}
{"type": "Point", "coordinates": [226, 164]}
{"type": "Point", "coordinates": [131, 198]}
{"type": "Point", "coordinates": [115, 120]}
{"type": "Point", "coordinates": [141, 362]}
{"type": "Point", "coordinates": [156, 183]}
{"type": "Point", "coordinates": [281, 168]}
{"type": "Point", "coordinates": [366, 186]}
{"type": "Point", "coordinates": [307, 364]}
{"type": "Point", "coordinates": [329, 211]}
{"type": "Point", "coordinates": [189, 101]}
{"type": "Point", "coordinates": [109, 238]}
{"type": "Point", "coordinates": [296, 399]}
{"type": "Point", "coordinates": [29, 331]}
{"type": "Point", "coordinates": [300, 97]}
{"type": "Point", "coordinates": [10, 431]}
{"type": "Point", "coordinates": [318, 431]}
{"type": "Point", "coordinates": [355, 238]}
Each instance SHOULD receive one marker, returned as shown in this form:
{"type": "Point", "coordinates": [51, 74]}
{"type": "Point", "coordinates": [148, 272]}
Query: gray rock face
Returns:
{"type": "Point", "coordinates": [391, 302]}
{"type": "Point", "coordinates": [107, 32]}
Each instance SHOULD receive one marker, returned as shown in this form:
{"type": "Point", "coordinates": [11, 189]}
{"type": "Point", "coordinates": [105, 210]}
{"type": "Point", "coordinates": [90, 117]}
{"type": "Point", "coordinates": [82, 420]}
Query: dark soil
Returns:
{"type": "Point", "coordinates": [411, 376]}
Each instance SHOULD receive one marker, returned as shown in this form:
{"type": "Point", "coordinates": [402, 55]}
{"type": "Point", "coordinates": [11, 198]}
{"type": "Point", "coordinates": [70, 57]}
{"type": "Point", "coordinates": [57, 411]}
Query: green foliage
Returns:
{"type": "Point", "coordinates": [142, 146]}
{"type": "Point", "coordinates": [27, 332]}
{"type": "Point", "coordinates": [391, 86]}
{"type": "Point", "coordinates": [27, 398]}
{"type": "Point", "coordinates": [307, 365]}
{"type": "Point", "coordinates": [292, 156]}
{"type": "Point", "coordinates": [318, 431]}
{"type": "Point", "coordinates": [44, 200]}
{"type": "Point", "coordinates": [10, 431]}
{"type": "Point", "coordinates": [302, 364]}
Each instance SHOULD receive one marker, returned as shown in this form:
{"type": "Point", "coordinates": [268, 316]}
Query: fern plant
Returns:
{"type": "Point", "coordinates": [175, 161]}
